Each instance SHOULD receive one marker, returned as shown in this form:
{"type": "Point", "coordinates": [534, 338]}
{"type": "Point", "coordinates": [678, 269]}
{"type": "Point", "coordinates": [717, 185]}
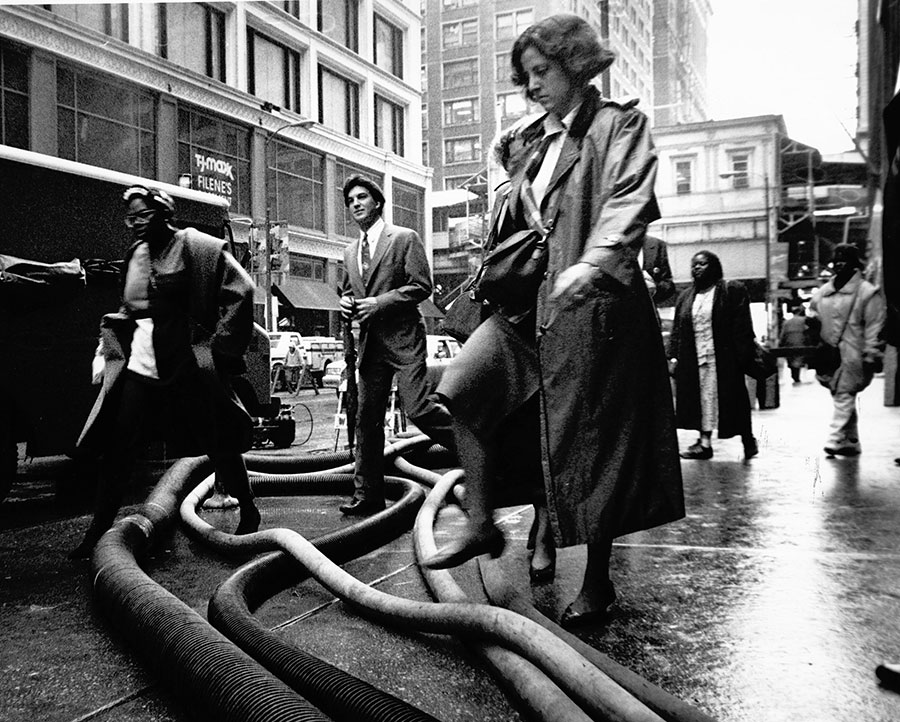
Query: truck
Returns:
{"type": "Point", "coordinates": [63, 241]}
{"type": "Point", "coordinates": [317, 351]}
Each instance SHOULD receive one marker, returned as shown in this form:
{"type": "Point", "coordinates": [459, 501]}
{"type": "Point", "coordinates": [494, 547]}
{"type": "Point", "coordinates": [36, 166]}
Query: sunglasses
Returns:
{"type": "Point", "coordinates": [145, 216]}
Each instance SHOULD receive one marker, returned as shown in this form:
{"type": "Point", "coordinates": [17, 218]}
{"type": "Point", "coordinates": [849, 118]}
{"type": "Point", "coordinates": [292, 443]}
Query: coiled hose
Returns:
{"type": "Point", "coordinates": [332, 690]}
{"type": "Point", "coordinates": [211, 677]}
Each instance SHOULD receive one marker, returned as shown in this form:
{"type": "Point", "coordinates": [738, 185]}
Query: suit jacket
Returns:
{"type": "Point", "coordinates": [399, 280]}
{"type": "Point", "coordinates": [656, 263]}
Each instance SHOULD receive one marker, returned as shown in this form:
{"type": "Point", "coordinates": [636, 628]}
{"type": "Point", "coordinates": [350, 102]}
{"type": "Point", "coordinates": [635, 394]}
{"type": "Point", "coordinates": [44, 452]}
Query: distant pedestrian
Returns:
{"type": "Point", "coordinates": [852, 313]}
{"type": "Point", "coordinates": [710, 346]}
{"type": "Point", "coordinates": [293, 362]}
{"type": "Point", "coordinates": [796, 332]}
{"type": "Point", "coordinates": [166, 359]}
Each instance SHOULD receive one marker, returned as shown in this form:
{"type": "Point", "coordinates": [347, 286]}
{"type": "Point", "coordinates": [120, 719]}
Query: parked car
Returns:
{"type": "Point", "coordinates": [440, 350]}
{"type": "Point", "coordinates": [317, 351]}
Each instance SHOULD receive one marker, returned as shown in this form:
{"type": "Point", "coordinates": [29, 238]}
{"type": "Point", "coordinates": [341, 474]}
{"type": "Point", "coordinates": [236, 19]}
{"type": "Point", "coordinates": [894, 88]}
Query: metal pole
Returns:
{"type": "Point", "coordinates": [811, 202]}
{"type": "Point", "coordinates": [270, 321]}
{"type": "Point", "coordinates": [769, 313]}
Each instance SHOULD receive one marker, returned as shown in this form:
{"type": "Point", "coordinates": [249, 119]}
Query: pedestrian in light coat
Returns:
{"type": "Point", "coordinates": [852, 313]}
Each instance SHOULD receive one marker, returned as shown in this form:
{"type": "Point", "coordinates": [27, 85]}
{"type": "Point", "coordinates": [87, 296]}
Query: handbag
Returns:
{"type": "Point", "coordinates": [513, 269]}
{"type": "Point", "coordinates": [826, 359]}
{"type": "Point", "coordinates": [466, 313]}
{"type": "Point", "coordinates": [762, 364]}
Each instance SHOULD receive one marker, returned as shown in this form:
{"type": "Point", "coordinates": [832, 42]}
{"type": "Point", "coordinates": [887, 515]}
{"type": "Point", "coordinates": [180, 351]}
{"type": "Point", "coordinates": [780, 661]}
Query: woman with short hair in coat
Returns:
{"type": "Point", "coordinates": [711, 344]}
{"type": "Point", "coordinates": [586, 357]}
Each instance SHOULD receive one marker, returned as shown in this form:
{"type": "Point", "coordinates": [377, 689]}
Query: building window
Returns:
{"type": "Point", "coordinates": [424, 116]}
{"type": "Point", "coordinates": [291, 7]}
{"type": "Point", "coordinates": [424, 152]}
{"type": "Point", "coordinates": [13, 96]}
{"type": "Point", "coordinates": [338, 103]}
{"type": "Point", "coordinates": [461, 111]}
{"type": "Point", "coordinates": [462, 150]}
{"type": "Point", "coordinates": [184, 26]}
{"type": "Point", "coordinates": [684, 173]}
{"type": "Point", "coordinates": [408, 206]}
{"type": "Point", "coordinates": [105, 123]}
{"type": "Point", "coordinates": [295, 188]}
{"type": "Point", "coordinates": [424, 79]}
{"type": "Point", "coordinates": [216, 154]}
{"type": "Point", "coordinates": [460, 73]}
{"type": "Point", "coordinates": [308, 267]}
{"type": "Point", "coordinates": [344, 225]}
{"type": "Point", "coordinates": [462, 34]}
{"type": "Point", "coordinates": [454, 4]}
{"type": "Point", "coordinates": [388, 125]}
{"type": "Point", "coordinates": [740, 169]}
{"type": "Point", "coordinates": [451, 183]}
{"type": "Point", "coordinates": [107, 18]}
{"type": "Point", "coordinates": [508, 26]}
{"type": "Point", "coordinates": [340, 21]}
{"type": "Point", "coordinates": [274, 72]}
{"type": "Point", "coordinates": [511, 105]}
{"type": "Point", "coordinates": [503, 67]}
{"type": "Point", "coordinates": [388, 47]}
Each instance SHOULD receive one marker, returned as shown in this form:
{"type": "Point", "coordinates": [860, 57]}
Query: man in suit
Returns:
{"type": "Point", "coordinates": [654, 260]}
{"type": "Point", "coordinates": [386, 276]}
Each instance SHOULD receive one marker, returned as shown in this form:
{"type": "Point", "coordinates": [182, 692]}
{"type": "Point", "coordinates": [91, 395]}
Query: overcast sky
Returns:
{"type": "Point", "coordinates": [796, 58]}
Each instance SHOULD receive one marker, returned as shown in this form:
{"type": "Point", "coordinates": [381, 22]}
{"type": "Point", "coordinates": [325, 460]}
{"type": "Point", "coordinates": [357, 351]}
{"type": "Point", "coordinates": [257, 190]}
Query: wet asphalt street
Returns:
{"type": "Point", "coordinates": [773, 600]}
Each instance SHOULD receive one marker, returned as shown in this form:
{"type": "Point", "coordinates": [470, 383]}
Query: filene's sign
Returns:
{"type": "Point", "coordinates": [213, 175]}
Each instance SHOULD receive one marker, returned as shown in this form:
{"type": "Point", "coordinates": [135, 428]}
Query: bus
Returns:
{"type": "Point", "coordinates": [62, 241]}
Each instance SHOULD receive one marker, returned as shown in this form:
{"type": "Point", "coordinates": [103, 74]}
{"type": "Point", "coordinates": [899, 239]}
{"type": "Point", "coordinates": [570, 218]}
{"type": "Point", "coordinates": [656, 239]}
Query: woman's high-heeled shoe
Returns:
{"type": "Point", "coordinates": [573, 618]}
{"type": "Point", "coordinates": [487, 540]}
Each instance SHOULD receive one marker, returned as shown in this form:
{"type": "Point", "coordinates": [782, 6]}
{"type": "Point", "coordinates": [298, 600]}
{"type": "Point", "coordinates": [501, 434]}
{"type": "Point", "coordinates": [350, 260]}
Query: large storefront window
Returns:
{"type": "Point", "coordinates": [107, 18]}
{"type": "Point", "coordinates": [409, 207]}
{"type": "Point", "coordinates": [13, 96]}
{"type": "Point", "coordinates": [193, 36]}
{"type": "Point", "coordinates": [104, 123]}
{"type": "Point", "coordinates": [295, 187]}
{"type": "Point", "coordinates": [216, 155]}
{"type": "Point", "coordinates": [344, 225]}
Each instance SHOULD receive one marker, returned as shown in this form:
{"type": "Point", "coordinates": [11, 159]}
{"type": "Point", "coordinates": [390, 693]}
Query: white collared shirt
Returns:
{"type": "Point", "coordinates": [373, 234]}
{"type": "Point", "coordinates": [553, 126]}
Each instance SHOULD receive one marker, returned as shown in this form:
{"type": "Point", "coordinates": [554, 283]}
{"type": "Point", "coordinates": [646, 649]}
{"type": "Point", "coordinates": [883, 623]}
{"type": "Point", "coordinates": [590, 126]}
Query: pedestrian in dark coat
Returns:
{"type": "Point", "coordinates": [167, 357]}
{"type": "Point", "coordinates": [795, 332]}
{"type": "Point", "coordinates": [386, 277]}
{"type": "Point", "coordinates": [654, 260]}
{"type": "Point", "coordinates": [588, 355]}
{"type": "Point", "coordinates": [712, 342]}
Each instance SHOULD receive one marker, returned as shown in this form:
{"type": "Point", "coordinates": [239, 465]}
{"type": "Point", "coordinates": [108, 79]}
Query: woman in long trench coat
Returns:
{"type": "Point", "coordinates": [590, 350]}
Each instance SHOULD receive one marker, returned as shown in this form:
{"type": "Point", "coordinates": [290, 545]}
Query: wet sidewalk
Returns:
{"type": "Point", "coordinates": [773, 600]}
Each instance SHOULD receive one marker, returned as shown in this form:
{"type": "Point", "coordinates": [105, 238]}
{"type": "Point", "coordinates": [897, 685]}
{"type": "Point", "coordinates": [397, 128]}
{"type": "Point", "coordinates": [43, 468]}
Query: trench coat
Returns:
{"type": "Point", "coordinates": [609, 448]}
{"type": "Point", "coordinates": [733, 340]}
{"type": "Point", "coordinates": [221, 313]}
{"type": "Point", "coordinates": [862, 306]}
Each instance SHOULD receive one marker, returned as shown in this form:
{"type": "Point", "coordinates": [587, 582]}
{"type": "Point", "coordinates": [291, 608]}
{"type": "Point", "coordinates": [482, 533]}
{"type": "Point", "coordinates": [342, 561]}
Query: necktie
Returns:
{"type": "Point", "coordinates": [365, 258]}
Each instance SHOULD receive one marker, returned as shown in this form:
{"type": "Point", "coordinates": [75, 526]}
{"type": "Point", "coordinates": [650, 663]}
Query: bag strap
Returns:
{"type": "Point", "coordinates": [533, 215]}
{"type": "Point", "coordinates": [849, 313]}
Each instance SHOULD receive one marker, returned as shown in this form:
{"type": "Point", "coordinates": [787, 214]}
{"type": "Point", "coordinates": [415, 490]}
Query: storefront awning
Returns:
{"type": "Point", "coordinates": [307, 294]}
{"type": "Point", "coordinates": [429, 310]}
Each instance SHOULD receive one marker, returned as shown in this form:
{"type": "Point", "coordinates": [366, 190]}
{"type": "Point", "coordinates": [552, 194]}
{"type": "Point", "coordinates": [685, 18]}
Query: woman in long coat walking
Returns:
{"type": "Point", "coordinates": [587, 355]}
{"type": "Point", "coordinates": [710, 346]}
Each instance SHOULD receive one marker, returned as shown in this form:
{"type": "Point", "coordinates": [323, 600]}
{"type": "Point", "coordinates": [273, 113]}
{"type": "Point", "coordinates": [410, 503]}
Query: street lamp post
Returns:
{"type": "Point", "coordinates": [306, 123]}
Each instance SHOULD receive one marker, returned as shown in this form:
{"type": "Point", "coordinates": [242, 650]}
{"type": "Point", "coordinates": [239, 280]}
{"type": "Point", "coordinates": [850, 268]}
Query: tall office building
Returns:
{"type": "Point", "coordinates": [680, 30]}
{"type": "Point", "coordinates": [270, 104]}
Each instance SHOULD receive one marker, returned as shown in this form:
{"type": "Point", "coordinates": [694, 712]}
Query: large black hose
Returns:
{"type": "Point", "coordinates": [332, 690]}
{"type": "Point", "coordinates": [210, 676]}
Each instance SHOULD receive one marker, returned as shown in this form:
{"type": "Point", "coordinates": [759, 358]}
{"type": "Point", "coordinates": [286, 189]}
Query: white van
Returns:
{"type": "Point", "coordinates": [317, 351]}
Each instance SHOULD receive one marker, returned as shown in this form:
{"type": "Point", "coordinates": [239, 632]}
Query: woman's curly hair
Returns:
{"type": "Point", "coordinates": [567, 39]}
